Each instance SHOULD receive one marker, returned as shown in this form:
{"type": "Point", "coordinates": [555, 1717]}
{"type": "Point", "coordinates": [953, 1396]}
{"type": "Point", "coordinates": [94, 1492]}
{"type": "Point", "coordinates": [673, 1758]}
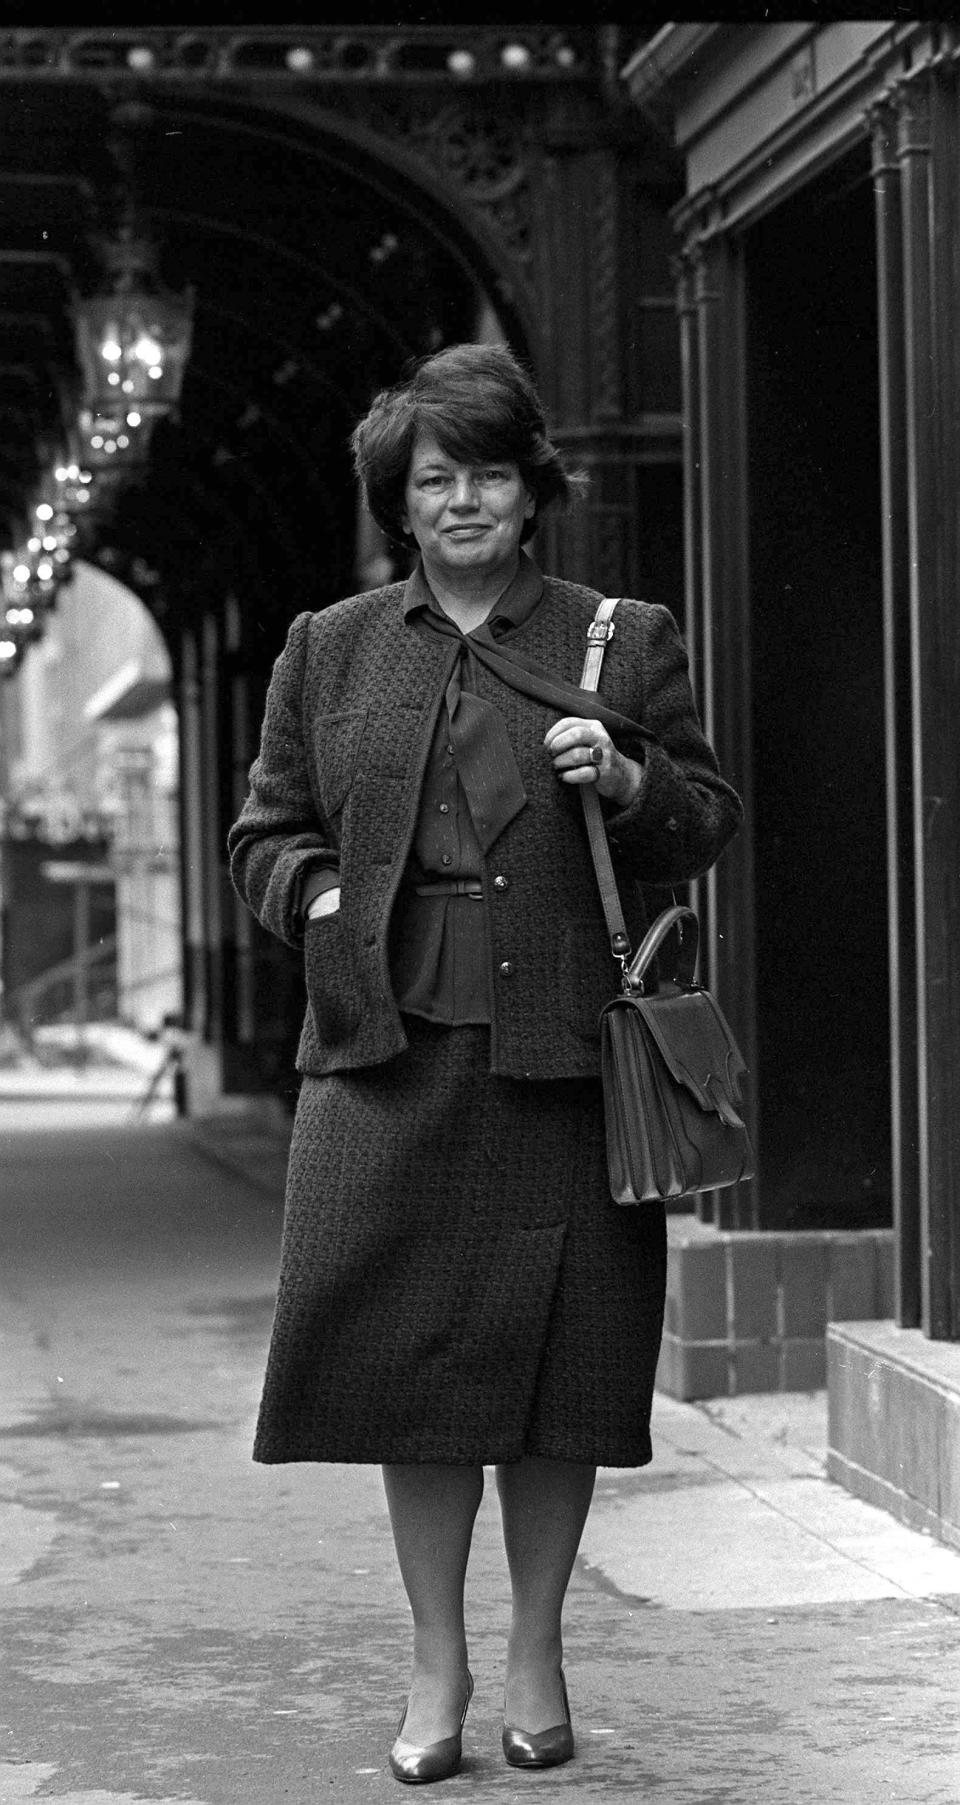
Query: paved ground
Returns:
{"type": "Point", "coordinates": [180, 1625]}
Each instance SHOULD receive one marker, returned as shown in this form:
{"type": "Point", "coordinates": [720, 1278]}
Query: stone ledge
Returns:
{"type": "Point", "coordinates": [894, 1422]}
{"type": "Point", "coordinates": [747, 1311]}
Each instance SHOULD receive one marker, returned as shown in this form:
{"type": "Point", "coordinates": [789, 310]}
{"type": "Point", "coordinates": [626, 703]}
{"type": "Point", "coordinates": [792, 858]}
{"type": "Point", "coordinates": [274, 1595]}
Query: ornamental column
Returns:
{"type": "Point", "coordinates": [929, 154]}
{"type": "Point", "coordinates": [710, 293]}
{"type": "Point", "coordinates": [605, 306]}
{"type": "Point", "coordinates": [898, 712]}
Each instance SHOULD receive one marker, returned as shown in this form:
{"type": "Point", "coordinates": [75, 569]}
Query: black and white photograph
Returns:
{"type": "Point", "coordinates": [479, 908]}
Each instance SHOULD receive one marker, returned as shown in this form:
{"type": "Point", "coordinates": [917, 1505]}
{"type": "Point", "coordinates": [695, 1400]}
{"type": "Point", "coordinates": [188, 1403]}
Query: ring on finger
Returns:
{"type": "Point", "coordinates": [596, 755]}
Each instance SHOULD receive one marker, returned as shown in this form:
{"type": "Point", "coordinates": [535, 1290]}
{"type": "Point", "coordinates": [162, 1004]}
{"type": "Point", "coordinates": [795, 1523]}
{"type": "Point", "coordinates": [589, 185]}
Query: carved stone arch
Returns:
{"type": "Point", "coordinates": [459, 163]}
{"type": "Point", "coordinates": [269, 195]}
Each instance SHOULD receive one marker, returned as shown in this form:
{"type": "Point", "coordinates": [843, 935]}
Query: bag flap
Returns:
{"type": "Point", "coordinates": [696, 1045]}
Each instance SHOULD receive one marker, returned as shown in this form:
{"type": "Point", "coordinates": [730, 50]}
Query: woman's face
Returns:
{"type": "Point", "coordinates": [466, 518]}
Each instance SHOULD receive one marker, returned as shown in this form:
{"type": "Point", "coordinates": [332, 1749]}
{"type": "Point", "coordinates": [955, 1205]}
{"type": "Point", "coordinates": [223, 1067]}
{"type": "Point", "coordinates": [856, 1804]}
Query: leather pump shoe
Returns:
{"type": "Point", "coordinates": [541, 1748]}
{"type": "Point", "coordinates": [417, 1764]}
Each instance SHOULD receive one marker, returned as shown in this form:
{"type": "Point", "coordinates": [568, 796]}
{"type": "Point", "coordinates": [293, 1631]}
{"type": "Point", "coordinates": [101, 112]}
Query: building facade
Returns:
{"type": "Point", "coordinates": [818, 290]}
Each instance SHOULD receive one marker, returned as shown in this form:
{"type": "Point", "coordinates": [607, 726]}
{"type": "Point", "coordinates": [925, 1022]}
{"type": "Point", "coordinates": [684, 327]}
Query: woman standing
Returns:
{"type": "Point", "coordinates": [457, 1288]}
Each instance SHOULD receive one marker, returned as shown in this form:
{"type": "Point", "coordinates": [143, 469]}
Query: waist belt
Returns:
{"type": "Point", "coordinates": [451, 886]}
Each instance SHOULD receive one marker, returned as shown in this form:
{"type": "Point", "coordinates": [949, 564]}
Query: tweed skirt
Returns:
{"type": "Point", "coordinates": [456, 1284]}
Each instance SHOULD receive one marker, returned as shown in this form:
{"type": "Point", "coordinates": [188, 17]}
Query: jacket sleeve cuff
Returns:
{"type": "Point", "coordinates": [617, 815]}
{"type": "Point", "coordinates": [314, 882]}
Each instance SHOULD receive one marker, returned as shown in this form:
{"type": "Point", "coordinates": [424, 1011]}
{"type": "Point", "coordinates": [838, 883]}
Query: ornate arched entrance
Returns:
{"type": "Point", "coordinates": [339, 200]}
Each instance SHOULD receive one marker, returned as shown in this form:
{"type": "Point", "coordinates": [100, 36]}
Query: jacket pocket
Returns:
{"type": "Point", "coordinates": [336, 749]}
{"type": "Point", "coordinates": [331, 985]}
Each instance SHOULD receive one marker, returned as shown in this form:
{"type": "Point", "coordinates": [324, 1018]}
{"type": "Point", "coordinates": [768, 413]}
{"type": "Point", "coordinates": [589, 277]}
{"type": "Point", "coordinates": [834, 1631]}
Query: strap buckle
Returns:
{"type": "Point", "coordinates": [600, 631]}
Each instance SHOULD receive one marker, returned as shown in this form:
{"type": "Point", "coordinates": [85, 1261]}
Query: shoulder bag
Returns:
{"type": "Point", "coordinates": [670, 1067]}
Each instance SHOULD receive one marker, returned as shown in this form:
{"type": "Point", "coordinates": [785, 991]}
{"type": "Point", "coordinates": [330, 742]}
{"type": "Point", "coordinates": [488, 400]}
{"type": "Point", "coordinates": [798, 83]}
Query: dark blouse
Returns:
{"type": "Point", "coordinates": [438, 949]}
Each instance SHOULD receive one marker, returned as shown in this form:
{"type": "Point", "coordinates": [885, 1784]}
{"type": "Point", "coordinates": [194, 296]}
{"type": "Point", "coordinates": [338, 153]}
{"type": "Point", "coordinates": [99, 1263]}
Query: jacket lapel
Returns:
{"type": "Point", "coordinates": [415, 671]}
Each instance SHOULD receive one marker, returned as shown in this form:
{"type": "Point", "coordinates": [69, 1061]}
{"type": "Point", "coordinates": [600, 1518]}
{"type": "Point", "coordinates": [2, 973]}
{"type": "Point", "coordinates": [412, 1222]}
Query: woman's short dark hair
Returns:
{"type": "Point", "coordinates": [479, 403]}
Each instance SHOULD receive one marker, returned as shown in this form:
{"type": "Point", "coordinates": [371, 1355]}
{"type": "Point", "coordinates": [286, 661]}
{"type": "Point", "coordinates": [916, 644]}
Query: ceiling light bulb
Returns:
{"type": "Point", "coordinates": [44, 511]}
{"type": "Point", "coordinates": [515, 57]}
{"type": "Point", "coordinates": [146, 350]}
{"type": "Point", "coordinates": [111, 351]}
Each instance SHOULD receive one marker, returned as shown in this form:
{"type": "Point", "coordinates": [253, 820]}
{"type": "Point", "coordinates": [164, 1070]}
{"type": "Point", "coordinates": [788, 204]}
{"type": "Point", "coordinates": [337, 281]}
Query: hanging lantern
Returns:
{"type": "Point", "coordinates": [133, 343]}
{"type": "Point", "coordinates": [71, 484]}
{"type": "Point", "coordinates": [31, 581]}
{"type": "Point", "coordinates": [113, 441]}
{"type": "Point", "coordinates": [22, 609]}
{"type": "Point", "coordinates": [43, 560]}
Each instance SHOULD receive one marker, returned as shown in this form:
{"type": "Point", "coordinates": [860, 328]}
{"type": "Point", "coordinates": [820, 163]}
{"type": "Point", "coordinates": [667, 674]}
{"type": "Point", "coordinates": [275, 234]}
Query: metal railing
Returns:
{"type": "Point", "coordinates": [25, 1005]}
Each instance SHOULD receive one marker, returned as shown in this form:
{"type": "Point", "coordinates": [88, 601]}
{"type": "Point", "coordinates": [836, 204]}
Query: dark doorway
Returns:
{"type": "Point", "coordinates": [819, 821]}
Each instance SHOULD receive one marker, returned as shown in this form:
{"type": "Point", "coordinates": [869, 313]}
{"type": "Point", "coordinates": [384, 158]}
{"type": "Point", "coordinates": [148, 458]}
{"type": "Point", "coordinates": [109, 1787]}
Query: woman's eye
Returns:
{"type": "Point", "coordinates": [493, 476]}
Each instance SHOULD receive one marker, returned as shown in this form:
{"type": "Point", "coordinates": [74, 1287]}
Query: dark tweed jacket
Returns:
{"type": "Point", "coordinates": [350, 713]}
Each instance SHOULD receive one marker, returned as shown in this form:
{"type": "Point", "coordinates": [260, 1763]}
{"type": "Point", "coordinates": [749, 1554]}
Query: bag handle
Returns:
{"type": "Point", "coordinates": [653, 939]}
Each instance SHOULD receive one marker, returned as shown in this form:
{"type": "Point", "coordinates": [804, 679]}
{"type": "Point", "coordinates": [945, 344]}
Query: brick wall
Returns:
{"type": "Point", "coordinates": [748, 1311]}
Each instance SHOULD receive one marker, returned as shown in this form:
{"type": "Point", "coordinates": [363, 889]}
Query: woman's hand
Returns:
{"type": "Point", "coordinates": [583, 752]}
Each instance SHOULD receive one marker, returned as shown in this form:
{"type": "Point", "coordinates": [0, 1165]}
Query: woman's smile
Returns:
{"type": "Point", "coordinates": [467, 519]}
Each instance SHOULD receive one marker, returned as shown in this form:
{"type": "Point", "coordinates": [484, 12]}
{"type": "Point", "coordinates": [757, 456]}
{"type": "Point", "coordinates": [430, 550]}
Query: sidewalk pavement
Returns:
{"type": "Point", "coordinates": [182, 1626]}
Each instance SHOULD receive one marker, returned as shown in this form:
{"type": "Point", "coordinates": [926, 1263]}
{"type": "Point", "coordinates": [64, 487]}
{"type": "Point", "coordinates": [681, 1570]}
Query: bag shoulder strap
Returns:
{"type": "Point", "coordinates": [599, 634]}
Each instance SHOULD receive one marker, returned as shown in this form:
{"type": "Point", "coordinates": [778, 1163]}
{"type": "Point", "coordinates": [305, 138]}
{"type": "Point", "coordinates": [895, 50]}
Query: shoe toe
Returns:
{"type": "Point", "coordinates": [546, 1748]}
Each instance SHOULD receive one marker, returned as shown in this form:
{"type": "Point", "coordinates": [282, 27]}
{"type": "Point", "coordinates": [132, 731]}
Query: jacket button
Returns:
{"type": "Point", "coordinates": [506, 969]}
{"type": "Point", "coordinates": [446, 858]}
{"type": "Point", "coordinates": [501, 883]}
{"type": "Point", "coordinates": [672, 824]}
